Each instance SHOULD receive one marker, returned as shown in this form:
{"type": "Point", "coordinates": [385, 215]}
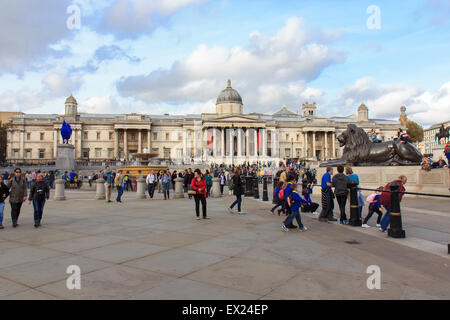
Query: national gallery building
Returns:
{"type": "Point", "coordinates": [228, 136]}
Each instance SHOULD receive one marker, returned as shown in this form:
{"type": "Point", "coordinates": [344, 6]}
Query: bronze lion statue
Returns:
{"type": "Point", "coordinates": [360, 151]}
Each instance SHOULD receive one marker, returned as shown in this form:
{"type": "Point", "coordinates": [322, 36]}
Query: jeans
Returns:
{"type": "Point", "coordinates": [119, 194]}
{"type": "Point", "coordinates": [108, 189]}
{"type": "Point", "coordinates": [151, 189]}
{"type": "Point", "coordinates": [342, 201]}
{"type": "Point", "coordinates": [2, 208]}
{"type": "Point", "coordinates": [208, 189]}
{"type": "Point", "coordinates": [238, 201]}
{"type": "Point", "coordinates": [221, 188]}
{"type": "Point", "coordinates": [15, 211]}
{"type": "Point", "coordinates": [166, 187]}
{"type": "Point", "coordinates": [386, 220]}
{"type": "Point", "coordinates": [38, 206]}
{"type": "Point", "coordinates": [200, 198]}
{"type": "Point", "coordinates": [296, 215]}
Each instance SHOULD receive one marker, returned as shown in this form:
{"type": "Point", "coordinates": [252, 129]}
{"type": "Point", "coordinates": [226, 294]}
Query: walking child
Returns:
{"type": "Point", "coordinates": [374, 206]}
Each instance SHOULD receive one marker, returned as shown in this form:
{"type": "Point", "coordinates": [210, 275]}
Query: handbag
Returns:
{"type": "Point", "coordinates": [192, 192]}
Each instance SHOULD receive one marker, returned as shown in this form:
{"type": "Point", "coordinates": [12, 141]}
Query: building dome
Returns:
{"type": "Point", "coordinates": [229, 95]}
{"type": "Point", "coordinates": [362, 107]}
{"type": "Point", "coordinates": [71, 99]}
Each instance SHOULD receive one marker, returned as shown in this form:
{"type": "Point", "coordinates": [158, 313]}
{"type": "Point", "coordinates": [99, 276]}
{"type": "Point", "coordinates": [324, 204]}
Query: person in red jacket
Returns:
{"type": "Point", "coordinates": [198, 184]}
{"type": "Point", "coordinates": [385, 201]}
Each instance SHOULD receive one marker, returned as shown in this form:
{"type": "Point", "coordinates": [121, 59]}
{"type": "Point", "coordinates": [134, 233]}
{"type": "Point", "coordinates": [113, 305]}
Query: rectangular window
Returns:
{"type": "Point", "coordinates": [28, 136]}
{"type": "Point", "coordinates": [298, 152]}
{"type": "Point", "coordinates": [28, 153]}
{"type": "Point", "coordinates": [155, 136]}
{"type": "Point", "coordinates": [98, 135]}
{"type": "Point", "coordinates": [287, 152]}
{"type": "Point", "coordinates": [110, 153]}
{"type": "Point", "coordinates": [167, 137]}
{"type": "Point", "coordinates": [111, 135]}
{"type": "Point", "coordinates": [98, 153]}
{"type": "Point", "coordinates": [269, 152]}
{"type": "Point", "coordinates": [287, 137]}
{"type": "Point", "coordinates": [166, 153]}
{"type": "Point", "coordinates": [86, 153]}
{"type": "Point", "coordinates": [41, 153]}
{"type": "Point", "coordinates": [15, 153]}
{"type": "Point", "coordinates": [85, 135]}
{"type": "Point", "coordinates": [298, 137]}
{"type": "Point", "coordinates": [42, 136]}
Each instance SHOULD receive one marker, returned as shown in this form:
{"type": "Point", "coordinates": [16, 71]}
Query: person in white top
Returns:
{"type": "Point", "coordinates": [151, 183]}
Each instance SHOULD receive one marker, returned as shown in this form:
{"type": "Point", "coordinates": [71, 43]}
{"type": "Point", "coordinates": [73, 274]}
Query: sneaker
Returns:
{"type": "Point", "coordinates": [284, 228]}
{"type": "Point", "coordinates": [365, 225]}
{"type": "Point", "coordinates": [315, 213]}
{"type": "Point", "coordinates": [206, 217]}
{"type": "Point", "coordinates": [381, 229]}
{"type": "Point", "coordinates": [230, 210]}
{"type": "Point", "coordinates": [302, 229]}
{"type": "Point", "coordinates": [378, 225]}
{"type": "Point", "coordinates": [198, 218]}
{"type": "Point", "coordinates": [2, 227]}
{"type": "Point", "coordinates": [345, 221]}
{"type": "Point", "coordinates": [271, 212]}
{"type": "Point", "coordinates": [341, 222]}
{"type": "Point", "coordinates": [242, 212]}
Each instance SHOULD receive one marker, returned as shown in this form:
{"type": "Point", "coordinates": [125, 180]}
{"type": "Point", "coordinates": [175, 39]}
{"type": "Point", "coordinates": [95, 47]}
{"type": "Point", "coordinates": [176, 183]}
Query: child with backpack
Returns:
{"type": "Point", "coordinates": [279, 203]}
{"type": "Point", "coordinates": [295, 202]}
{"type": "Point", "coordinates": [374, 206]}
{"type": "Point", "coordinates": [310, 206]}
{"type": "Point", "coordinates": [284, 196]}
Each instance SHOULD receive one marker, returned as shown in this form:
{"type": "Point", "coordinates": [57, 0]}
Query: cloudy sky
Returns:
{"type": "Point", "coordinates": [175, 56]}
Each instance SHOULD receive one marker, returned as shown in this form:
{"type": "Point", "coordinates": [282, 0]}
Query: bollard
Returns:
{"type": "Point", "coordinates": [265, 195]}
{"type": "Point", "coordinates": [140, 189]}
{"type": "Point", "coordinates": [100, 194]}
{"type": "Point", "coordinates": [275, 184]}
{"type": "Point", "coordinates": [215, 190]}
{"type": "Point", "coordinates": [355, 219]}
{"type": "Point", "coordinates": [396, 229]}
{"type": "Point", "coordinates": [256, 188]}
{"type": "Point", "coordinates": [59, 190]}
{"type": "Point", "coordinates": [248, 186]}
{"type": "Point", "coordinates": [179, 192]}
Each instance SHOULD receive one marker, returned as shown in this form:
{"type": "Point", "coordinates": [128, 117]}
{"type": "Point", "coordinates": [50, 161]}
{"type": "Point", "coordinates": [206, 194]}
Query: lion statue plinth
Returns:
{"type": "Point", "coordinates": [360, 151]}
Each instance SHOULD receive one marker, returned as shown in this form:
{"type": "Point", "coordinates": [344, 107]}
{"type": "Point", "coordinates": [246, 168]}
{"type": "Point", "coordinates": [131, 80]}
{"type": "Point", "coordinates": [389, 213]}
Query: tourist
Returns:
{"type": "Point", "coordinates": [173, 176]}
{"type": "Point", "coordinates": [286, 193]}
{"type": "Point", "coordinates": [118, 183]}
{"type": "Point", "coordinates": [188, 180]}
{"type": "Point", "coordinates": [283, 177]}
{"type": "Point", "coordinates": [4, 193]}
{"type": "Point", "coordinates": [440, 164]}
{"type": "Point", "coordinates": [309, 206]}
{"type": "Point", "coordinates": [5, 177]}
{"type": "Point", "coordinates": [447, 155]}
{"type": "Point", "coordinates": [295, 203]}
{"type": "Point", "coordinates": [327, 197]}
{"type": "Point", "coordinates": [165, 183]}
{"type": "Point", "coordinates": [222, 182]}
{"type": "Point", "coordinates": [340, 184]}
{"type": "Point", "coordinates": [425, 165]}
{"type": "Point", "coordinates": [109, 181]}
{"type": "Point", "coordinates": [385, 200]}
{"type": "Point", "coordinates": [373, 136]}
{"type": "Point", "coordinates": [238, 190]}
{"type": "Point", "coordinates": [402, 136]}
{"type": "Point", "coordinates": [151, 183]}
{"type": "Point", "coordinates": [352, 177]}
{"type": "Point", "coordinates": [278, 202]}
{"type": "Point", "coordinates": [17, 194]}
{"type": "Point", "coordinates": [127, 180]}
{"type": "Point", "coordinates": [198, 185]}
{"type": "Point", "coordinates": [39, 192]}
{"type": "Point", "coordinates": [209, 181]}
{"type": "Point", "coordinates": [374, 206]}
{"type": "Point", "coordinates": [29, 178]}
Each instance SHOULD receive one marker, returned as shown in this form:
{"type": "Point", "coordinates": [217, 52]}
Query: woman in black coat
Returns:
{"type": "Point", "coordinates": [238, 191]}
{"type": "Point", "coordinates": [4, 193]}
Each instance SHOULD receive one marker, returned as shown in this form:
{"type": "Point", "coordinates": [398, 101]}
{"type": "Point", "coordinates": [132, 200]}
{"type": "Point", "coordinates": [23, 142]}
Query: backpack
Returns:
{"type": "Point", "coordinates": [231, 184]}
{"type": "Point", "coordinates": [290, 200]}
{"type": "Point", "coordinates": [370, 198]}
{"type": "Point", "coordinates": [281, 194]}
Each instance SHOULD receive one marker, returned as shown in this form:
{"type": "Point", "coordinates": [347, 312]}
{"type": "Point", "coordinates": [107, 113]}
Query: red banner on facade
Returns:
{"type": "Point", "coordinates": [260, 140]}
{"type": "Point", "coordinates": [210, 139]}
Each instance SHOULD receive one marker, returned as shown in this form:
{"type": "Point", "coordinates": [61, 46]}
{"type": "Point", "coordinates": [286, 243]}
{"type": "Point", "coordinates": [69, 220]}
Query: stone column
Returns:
{"type": "Point", "coordinates": [55, 143]}
{"type": "Point", "coordinates": [179, 192]}
{"type": "Point", "coordinates": [79, 139]}
{"type": "Point", "coordinates": [195, 145]}
{"type": "Point", "coordinates": [140, 190]}
{"type": "Point", "coordinates": [140, 141]}
{"type": "Point", "coordinates": [255, 141]}
{"type": "Point", "coordinates": [149, 144]}
{"type": "Point", "coordinates": [59, 190]}
{"type": "Point", "coordinates": [184, 144]}
{"type": "Point", "coordinates": [22, 144]}
{"type": "Point", "coordinates": [326, 147]}
{"type": "Point", "coordinates": [223, 143]}
{"type": "Point", "coordinates": [125, 144]}
{"type": "Point", "coordinates": [74, 142]}
{"type": "Point", "coordinates": [116, 144]}
{"type": "Point", "coordinates": [215, 190]}
{"type": "Point", "coordinates": [333, 141]}
{"type": "Point", "coordinates": [10, 144]}
{"type": "Point", "coordinates": [314, 145]}
{"type": "Point", "coordinates": [247, 143]}
{"type": "Point", "coordinates": [264, 142]}
{"type": "Point", "coordinates": [100, 193]}
{"type": "Point", "coordinates": [305, 145]}
{"type": "Point", "coordinates": [239, 142]}
{"type": "Point", "coordinates": [214, 144]}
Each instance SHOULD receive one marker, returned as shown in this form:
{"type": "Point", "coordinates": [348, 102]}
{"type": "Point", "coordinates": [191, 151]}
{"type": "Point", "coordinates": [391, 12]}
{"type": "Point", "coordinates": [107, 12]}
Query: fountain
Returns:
{"type": "Point", "coordinates": [143, 164]}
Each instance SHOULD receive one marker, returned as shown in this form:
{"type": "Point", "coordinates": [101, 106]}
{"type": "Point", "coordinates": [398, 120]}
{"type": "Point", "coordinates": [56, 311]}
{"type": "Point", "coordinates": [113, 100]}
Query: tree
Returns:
{"type": "Point", "coordinates": [414, 131]}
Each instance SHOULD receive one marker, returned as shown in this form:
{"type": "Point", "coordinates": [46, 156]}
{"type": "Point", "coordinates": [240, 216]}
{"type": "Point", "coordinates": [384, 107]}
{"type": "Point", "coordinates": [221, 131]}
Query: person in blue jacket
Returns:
{"type": "Point", "coordinates": [296, 202]}
{"type": "Point", "coordinates": [310, 206]}
{"type": "Point", "coordinates": [287, 192]}
{"type": "Point", "coordinates": [278, 202]}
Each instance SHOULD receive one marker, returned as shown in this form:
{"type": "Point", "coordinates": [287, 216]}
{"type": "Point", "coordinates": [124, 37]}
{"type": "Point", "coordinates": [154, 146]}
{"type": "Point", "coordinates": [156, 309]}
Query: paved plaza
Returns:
{"type": "Point", "coordinates": [155, 249]}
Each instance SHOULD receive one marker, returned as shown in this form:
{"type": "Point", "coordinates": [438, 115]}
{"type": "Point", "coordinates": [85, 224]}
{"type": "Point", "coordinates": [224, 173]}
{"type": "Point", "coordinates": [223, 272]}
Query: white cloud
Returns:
{"type": "Point", "coordinates": [106, 105]}
{"type": "Point", "coordinates": [270, 72]}
{"type": "Point", "coordinates": [61, 84]}
{"type": "Point", "coordinates": [385, 100]}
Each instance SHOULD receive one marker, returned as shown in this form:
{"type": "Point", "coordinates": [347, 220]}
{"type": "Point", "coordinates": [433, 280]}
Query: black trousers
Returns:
{"type": "Point", "coordinates": [327, 205]}
{"type": "Point", "coordinates": [151, 189]}
{"type": "Point", "coordinates": [15, 211]}
{"type": "Point", "coordinates": [373, 209]}
{"type": "Point", "coordinates": [200, 198]}
{"type": "Point", "coordinates": [310, 207]}
{"type": "Point", "coordinates": [208, 189]}
{"type": "Point", "coordinates": [342, 201]}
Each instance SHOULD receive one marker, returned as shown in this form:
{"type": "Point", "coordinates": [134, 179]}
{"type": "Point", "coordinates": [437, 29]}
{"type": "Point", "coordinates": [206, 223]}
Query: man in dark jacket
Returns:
{"type": "Point", "coordinates": [188, 179]}
{"type": "Point", "coordinates": [340, 182]}
{"type": "Point", "coordinates": [238, 191]}
{"type": "Point", "coordinates": [18, 194]}
{"type": "Point", "coordinates": [39, 192]}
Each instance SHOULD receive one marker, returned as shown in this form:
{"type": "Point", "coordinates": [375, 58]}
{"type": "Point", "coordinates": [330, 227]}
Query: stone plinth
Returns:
{"type": "Point", "coordinates": [59, 190]}
{"type": "Point", "coordinates": [65, 159]}
{"type": "Point", "coordinates": [140, 190]}
{"type": "Point", "coordinates": [179, 192]}
{"type": "Point", "coordinates": [435, 181]}
{"type": "Point", "coordinates": [101, 193]}
{"type": "Point", "coordinates": [215, 192]}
